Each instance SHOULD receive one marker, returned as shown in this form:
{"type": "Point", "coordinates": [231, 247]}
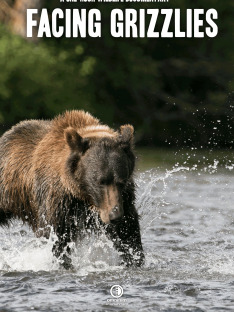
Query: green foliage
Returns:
{"type": "Point", "coordinates": [38, 81]}
{"type": "Point", "coordinates": [173, 90]}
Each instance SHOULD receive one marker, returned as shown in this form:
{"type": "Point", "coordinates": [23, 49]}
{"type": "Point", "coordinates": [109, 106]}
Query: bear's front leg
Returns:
{"type": "Point", "coordinates": [67, 220]}
{"type": "Point", "coordinates": [61, 250]}
{"type": "Point", "coordinates": [126, 237]}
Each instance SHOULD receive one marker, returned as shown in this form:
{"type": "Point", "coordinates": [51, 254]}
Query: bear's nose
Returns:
{"type": "Point", "coordinates": [115, 213]}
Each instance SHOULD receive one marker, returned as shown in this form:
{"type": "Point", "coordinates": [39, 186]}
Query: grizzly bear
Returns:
{"type": "Point", "coordinates": [74, 174]}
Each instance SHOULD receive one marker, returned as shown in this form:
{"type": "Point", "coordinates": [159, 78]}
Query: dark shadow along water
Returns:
{"type": "Point", "coordinates": [188, 235]}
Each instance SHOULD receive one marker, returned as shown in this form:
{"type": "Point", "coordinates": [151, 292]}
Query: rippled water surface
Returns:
{"type": "Point", "coordinates": [188, 235]}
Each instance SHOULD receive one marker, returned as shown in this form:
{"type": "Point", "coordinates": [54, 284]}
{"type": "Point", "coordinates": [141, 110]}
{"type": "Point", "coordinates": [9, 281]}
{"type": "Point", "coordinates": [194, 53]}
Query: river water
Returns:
{"type": "Point", "coordinates": [187, 222]}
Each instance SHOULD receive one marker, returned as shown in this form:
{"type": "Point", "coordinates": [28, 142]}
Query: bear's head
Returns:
{"type": "Point", "coordinates": [100, 169]}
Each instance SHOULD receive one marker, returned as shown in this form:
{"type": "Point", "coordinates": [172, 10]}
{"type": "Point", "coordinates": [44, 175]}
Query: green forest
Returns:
{"type": "Point", "coordinates": [175, 91]}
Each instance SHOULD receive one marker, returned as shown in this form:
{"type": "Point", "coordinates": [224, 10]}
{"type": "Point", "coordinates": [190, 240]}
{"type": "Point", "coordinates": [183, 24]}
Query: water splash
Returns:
{"type": "Point", "coordinates": [151, 191]}
{"type": "Point", "coordinates": [179, 208]}
{"type": "Point", "coordinates": [20, 250]}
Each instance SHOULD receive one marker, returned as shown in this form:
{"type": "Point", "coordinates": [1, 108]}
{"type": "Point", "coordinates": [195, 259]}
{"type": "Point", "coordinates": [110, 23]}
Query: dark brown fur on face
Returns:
{"type": "Point", "coordinates": [59, 172]}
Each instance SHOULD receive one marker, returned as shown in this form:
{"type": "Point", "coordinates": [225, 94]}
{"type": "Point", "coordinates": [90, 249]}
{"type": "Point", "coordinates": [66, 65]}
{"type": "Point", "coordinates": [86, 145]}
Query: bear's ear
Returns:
{"type": "Point", "coordinates": [75, 141]}
{"type": "Point", "coordinates": [126, 134]}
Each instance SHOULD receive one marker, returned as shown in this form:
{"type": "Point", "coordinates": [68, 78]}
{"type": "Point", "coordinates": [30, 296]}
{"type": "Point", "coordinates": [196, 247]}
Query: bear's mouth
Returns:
{"type": "Point", "coordinates": [106, 214]}
{"type": "Point", "coordinates": [97, 210]}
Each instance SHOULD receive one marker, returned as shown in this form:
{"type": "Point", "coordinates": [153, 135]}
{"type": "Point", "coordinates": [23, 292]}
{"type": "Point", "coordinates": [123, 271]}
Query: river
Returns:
{"type": "Point", "coordinates": [187, 224]}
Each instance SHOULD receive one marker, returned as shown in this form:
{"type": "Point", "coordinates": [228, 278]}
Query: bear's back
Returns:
{"type": "Point", "coordinates": [20, 141]}
{"type": "Point", "coordinates": [16, 151]}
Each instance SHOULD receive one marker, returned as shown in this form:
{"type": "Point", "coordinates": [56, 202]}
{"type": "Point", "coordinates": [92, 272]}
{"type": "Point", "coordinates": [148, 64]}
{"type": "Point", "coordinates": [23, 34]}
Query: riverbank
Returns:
{"type": "Point", "coordinates": [161, 158]}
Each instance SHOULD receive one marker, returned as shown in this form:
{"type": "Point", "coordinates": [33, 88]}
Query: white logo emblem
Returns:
{"type": "Point", "coordinates": [116, 291]}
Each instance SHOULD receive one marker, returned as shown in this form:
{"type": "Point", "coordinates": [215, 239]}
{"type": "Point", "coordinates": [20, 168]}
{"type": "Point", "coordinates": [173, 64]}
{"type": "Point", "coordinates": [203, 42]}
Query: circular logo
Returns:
{"type": "Point", "coordinates": [116, 291]}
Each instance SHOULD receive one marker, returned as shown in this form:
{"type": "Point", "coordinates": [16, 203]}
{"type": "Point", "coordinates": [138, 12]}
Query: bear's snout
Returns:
{"type": "Point", "coordinates": [116, 213]}
{"type": "Point", "coordinates": [111, 207]}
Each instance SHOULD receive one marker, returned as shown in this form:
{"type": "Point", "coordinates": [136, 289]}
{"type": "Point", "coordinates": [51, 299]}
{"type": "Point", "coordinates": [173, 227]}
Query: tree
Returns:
{"type": "Point", "coordinates": [177, 90]}
{"type": "Point", "coordinates": [14, 14]}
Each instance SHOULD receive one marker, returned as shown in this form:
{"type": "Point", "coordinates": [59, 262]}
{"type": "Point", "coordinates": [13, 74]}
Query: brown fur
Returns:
{"type": "Point", "coordinates": [40, 146]}
{"type": "Point", "coordinates": [42, 169]}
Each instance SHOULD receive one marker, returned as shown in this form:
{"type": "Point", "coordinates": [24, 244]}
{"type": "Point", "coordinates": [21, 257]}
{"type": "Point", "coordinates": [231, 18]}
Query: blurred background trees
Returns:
{"type": "Point", "coordinates": [176, 92]}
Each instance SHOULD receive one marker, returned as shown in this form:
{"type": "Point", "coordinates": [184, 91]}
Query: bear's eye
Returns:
{"type": "Point", "coordinates": [102, 182]}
